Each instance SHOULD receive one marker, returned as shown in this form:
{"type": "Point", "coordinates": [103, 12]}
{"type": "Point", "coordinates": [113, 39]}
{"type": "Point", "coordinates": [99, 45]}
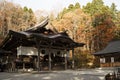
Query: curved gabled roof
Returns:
{"type": "Point", "coordinates": [16, 39]}
{"type": "Point", "coordinates": [27, 38]}
{"type": "Point", "coordinates": [38, 26]}
{"type": "Point", "coordinates": [112, 47]}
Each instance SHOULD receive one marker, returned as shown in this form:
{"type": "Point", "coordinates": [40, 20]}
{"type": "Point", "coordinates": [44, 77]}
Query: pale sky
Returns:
{"type": "Point", "coordinates": [57, 5]}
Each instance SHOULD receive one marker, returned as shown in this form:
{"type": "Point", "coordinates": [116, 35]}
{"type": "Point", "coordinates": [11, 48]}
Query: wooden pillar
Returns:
{"type": "Point", "coordinates": [66, 60]}
{"type": "Point", "coordinates": [49, 57]}
{"type": "Point", "coordinates": [35, 63]}
{"type": "Point", "coordinates": [23, 66]}
{"type": "Point", "coordinates": [67, 52]}
{"type": "Point", "coordinates": [73, 62]}
{"type": "Point", "coordinates": [38, 57]}
{"type": "Point", "coordinates": [13, 66]}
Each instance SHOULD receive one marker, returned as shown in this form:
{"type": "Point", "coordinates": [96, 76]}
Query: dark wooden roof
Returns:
{"type": "Point", "coordinates": [111, 48]}
{"type": "Point", "coordinates": [3, 51]}
{"type": "Point", "coordinates": [38, 26]}
{"type": "Point", "coordinates": [39, 33]}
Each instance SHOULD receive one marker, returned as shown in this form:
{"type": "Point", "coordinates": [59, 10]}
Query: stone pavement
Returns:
{"type": "Point", "coordinates": [83, 74]}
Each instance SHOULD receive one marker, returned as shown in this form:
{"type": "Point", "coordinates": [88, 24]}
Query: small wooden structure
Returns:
{"type": "Point", "coordinates": [4, 59]}
{"type": "Point", "coordinates": [110, 56]}
{"type": "Point", "coordinates": [39, 47]}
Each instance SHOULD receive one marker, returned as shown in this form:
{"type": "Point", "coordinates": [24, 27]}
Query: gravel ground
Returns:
{"type": "Point", "coordinates": [83, 74]}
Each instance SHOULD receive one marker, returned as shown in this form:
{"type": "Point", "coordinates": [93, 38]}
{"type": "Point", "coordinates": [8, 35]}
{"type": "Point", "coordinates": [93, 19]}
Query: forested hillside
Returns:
{"type": "Point", "coordinates": [13, 17]}
{"type": "Point", "coordinates": [94, 24]}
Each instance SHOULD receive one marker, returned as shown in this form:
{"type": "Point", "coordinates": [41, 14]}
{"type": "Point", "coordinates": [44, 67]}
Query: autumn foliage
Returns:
{"type": "Point", "coordinates": [94, 24]}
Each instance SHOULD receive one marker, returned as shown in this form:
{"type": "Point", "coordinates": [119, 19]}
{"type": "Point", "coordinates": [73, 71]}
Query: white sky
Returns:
{"type": "Point", "coordinates": [57, 5]}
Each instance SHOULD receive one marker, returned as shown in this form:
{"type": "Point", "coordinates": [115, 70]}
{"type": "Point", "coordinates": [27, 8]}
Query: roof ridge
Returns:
{"type": "Point", "coordinates": [42, 24]}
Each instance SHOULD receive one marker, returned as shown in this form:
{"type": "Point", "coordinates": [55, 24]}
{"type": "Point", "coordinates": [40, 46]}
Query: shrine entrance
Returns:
{"type": "Point", "coordinates": [27, 58]}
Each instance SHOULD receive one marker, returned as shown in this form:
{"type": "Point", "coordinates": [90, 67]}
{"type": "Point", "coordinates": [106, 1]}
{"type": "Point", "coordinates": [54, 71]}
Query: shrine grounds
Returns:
{"type": "Point", "coordinates": [82, 74]}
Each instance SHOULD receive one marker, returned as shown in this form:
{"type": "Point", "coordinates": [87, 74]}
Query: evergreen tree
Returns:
{"type": "Point", "coordinates": [95, 7]}
{"type": "Point", "coordinates": [77, 5]}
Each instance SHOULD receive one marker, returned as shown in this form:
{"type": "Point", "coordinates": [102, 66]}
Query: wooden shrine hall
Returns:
{"type": "Point", "coordinates": [37, 48]}
{"type": "Point", "coordinates": [110, 56]}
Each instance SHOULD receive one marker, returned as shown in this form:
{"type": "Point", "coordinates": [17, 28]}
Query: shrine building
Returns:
{"type": "Point", "coordinates": [37, 48]}
{"type": "Point", "coordinates": [110, 56]}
